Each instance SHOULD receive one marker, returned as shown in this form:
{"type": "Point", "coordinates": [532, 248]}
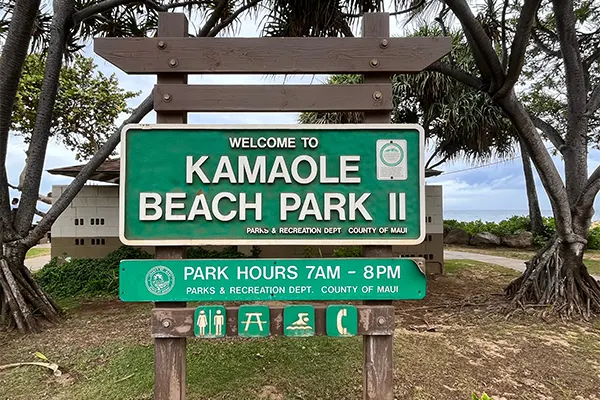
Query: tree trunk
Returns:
{"type": "Point", "coordinates": [21, 298]}
{"type": "Point", "coordinates": [556, 277]}
{"type": "Point", "coordinates": [535, 215]}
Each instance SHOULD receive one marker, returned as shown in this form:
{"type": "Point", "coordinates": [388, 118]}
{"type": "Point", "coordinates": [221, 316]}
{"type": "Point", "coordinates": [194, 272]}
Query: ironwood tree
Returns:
{"type": "Point", "coordinates": [28, 26]}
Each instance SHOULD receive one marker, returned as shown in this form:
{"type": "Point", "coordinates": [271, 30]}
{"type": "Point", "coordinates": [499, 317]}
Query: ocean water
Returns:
{"type": "Point", "coordinates": [493, 215]}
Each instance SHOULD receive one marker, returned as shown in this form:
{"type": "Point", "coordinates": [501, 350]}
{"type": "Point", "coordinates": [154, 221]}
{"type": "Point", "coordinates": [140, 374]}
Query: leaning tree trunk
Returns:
{"type": "Point", "coordinates": [21, 298]}
{"type": "Point", "coordinates": [535, 215]}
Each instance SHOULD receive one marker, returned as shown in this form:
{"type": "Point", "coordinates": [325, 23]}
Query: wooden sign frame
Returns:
{"type": "Point", "coordinates": [172, 55]}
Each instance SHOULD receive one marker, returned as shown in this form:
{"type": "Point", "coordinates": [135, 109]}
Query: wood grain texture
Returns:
{"type": "Point", "coordinates": [261, 98]}
{"type": "Point", "coordinates": [179, 322]}
{"type": "Point", "coordinates": [272, 55]}
{"type": "Point", "coordinates": [378, 368]}
{"type": "Point", "coordinates": [170, 353]}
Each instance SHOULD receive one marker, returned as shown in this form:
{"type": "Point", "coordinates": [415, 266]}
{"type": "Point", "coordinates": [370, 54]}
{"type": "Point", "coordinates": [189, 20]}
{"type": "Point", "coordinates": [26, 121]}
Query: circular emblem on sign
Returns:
{"type": "Point", "coordinates": [160, 280]}
{"type": "Point", "coordinates": [391, 154]}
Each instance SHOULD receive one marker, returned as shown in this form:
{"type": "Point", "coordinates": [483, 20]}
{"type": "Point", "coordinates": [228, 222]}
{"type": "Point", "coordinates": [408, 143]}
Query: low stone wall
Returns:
{"type": "Point", "coordinates": [461, 237]}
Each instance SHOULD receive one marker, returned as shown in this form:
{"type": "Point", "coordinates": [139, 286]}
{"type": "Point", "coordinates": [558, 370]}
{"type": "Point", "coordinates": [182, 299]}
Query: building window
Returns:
{"type": "Point", "coordinates": [79, 242]}
{"type": "Point", "coordinates": [76, 242]}
{"type": "Point", "coordinates": [76, 221]}
{"type": "Point", "coordinates": [103, 243]}
{"type": "Point", "coordinates": [102, 221]}
{"type": "Point", "coordinates": [93, 242]}
{"type": "Point", "coordinates": [92, 221]}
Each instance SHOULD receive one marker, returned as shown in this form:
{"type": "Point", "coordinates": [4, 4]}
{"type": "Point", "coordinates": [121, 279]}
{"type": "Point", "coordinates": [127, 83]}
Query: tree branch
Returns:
{"type": "Point", "coordinates": [98, 8]}
{"type": "Point", "coordinates": [504, 48]}
{"type": "Point", "coordinates": [587, 63]}
{"type": "Point", "coordinates": [212, 20]}
{"type": "Point", "coordinates": [215, 31]}
{"type": "Point", "coordinates": [594, 102]}
{"type": "Point", "coordinates": [14, 53]}
{"type": "Point", "coordinates": [479, 42]}
{"type": "Point", "coordinates": [42, 198]}
{"type": "Point", "coordinates": [458, 74]}
{"type": "Point", "coordinates": [75, 186]}
{"type": "Point", "coordinates": [443, 160]}
{"type": "Point", "coordinates": [551, 133]}
{"type": "Point", "coordinates": [542, 46]}
{"type": "Point", "coordinates": [61, 22]}
{"type": "Point", "coordinates": [589, 193]}
{"type": "Point", "coordinates": [519, 46]}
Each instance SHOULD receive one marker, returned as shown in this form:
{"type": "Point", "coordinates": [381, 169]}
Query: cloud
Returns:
{"type": "Point", "coordinates": [495, 187]}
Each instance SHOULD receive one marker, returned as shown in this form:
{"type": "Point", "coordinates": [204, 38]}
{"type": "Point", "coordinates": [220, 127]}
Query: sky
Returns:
{"type": "Point", "coordinates": [467, 188]}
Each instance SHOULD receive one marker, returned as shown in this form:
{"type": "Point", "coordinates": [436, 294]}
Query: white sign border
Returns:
{"type": "Point", "coordinates": [258, 242]}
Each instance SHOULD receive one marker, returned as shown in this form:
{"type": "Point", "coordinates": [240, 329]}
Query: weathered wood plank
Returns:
{"type": "Point", "coordinates": [260, 98]}
{"type": "Point", "coordinates": [179, 322]}
{"type": "Point", "coordinates": [378, 372]}
{"type": "Point", "coordinates": [170, 362]}
{"type": "Point", "coordinates": [272, 55]}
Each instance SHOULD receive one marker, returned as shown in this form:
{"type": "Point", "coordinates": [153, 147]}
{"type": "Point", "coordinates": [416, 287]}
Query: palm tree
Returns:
{"type": "Point", "coordinates": [459, 121]}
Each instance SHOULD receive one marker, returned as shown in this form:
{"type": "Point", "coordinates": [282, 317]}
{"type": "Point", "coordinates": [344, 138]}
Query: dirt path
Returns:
{"type": "Point", "coordinates": [512, 263]}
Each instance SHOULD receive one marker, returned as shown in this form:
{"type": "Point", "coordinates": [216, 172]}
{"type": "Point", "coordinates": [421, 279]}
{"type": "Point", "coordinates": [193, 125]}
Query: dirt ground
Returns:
{"type": "Point", "coordinates": [455, 342]}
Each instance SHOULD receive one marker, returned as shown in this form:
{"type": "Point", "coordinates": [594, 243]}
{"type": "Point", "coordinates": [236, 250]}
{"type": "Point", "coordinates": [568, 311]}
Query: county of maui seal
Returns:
{"type": "Point", "coordinates": [160, 280]}
{"type": "Point", "coordinates": [391, 154]}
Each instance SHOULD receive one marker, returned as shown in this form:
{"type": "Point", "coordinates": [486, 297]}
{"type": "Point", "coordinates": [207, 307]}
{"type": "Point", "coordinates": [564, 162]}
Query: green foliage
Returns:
{"type": "Point", "coordinates": [594, 239]}
{"type": "Point", "coordinates": [348, 252]}
{"type": "Point", "coordinates": [86, 276]}
{"type": "Point", "coordinates": [460, 121]}
{"type": "Point", "coordinates": [483, 397]}
{"type": "Point", "coordinates": [201, 253]}
{"type": "Point", "coordinates": [87, 104]}
{"type": "Point", "coordinates": [511, 226]}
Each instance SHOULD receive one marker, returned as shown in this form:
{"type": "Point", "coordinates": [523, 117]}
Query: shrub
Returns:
{"type": "Point", "coordinates": [594, 239]}
{"type": "Point", "coordinates": [227, 252]}
{"type": "Point", "coordinates": [514, 225]}
{"type": "Point", "coordinates": [348, 252]}
{"type": "Point", "coordinates": [86, 276]}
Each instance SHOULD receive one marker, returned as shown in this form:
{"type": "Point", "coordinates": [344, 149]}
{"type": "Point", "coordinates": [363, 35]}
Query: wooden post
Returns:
{"type": "Point", "coordinates": [170, 353]}
{"type": "Point", "coordinates": [378, 351]}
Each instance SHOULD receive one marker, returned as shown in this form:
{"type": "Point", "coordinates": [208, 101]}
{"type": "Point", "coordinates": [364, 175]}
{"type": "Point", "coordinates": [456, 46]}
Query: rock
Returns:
{"type": "Point", "coordinates": [485, 239]}
{"type": "Point", "coordinates": [521, 241]}
{"type": "Point", "coordinates": [457, 236]}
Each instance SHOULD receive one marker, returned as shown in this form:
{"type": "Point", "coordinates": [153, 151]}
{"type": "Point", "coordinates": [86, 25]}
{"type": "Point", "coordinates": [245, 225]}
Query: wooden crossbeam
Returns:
{"type": "Point", "coordinates": [179, 322]}
{"type": "Point", "coordinates": [272, 55]}
{"type": "Point", "coordinates": [259, 98]}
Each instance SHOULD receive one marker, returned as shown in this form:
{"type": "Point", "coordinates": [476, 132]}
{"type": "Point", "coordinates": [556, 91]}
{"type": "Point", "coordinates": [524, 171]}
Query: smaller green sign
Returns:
{"type": "Point", "coordinates": [209, 322]}
{"type": "Point", "coordinates": [253, 321]}
{"type": "Point", "coordinates": [341, 320]}
{"type": "Point", "coordinates": [299, 321]}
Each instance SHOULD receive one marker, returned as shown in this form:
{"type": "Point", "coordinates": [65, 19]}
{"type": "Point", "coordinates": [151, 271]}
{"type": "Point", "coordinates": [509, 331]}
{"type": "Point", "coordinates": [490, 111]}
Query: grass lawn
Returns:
{"type": "Point", "coordinates": [591, 257]}
{"type": "Point", "coordinates": [452, 343]}
{"type": "Point", "coordinates": [37, 252]}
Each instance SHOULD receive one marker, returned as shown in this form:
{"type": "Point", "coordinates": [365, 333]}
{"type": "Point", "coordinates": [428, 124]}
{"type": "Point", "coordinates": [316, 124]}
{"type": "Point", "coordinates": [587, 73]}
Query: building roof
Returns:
{"type": "Point", "coordinates": [109, 171]}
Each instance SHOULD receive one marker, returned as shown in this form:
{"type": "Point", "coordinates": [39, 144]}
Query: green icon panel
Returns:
{"type": "Point", "coordinates": [299, 321]}
{"type": "Point", "coordinates": [254, 321]}
{"type": "Point", "coordinates": [341, 321]}
{"type": "Point", "coordinates": [210, 322]}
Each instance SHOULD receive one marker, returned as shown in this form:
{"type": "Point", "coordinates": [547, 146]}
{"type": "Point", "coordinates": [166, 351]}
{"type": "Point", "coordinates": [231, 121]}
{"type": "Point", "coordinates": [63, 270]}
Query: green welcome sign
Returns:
{"type": "Point", "coordinates": [251, 185]}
